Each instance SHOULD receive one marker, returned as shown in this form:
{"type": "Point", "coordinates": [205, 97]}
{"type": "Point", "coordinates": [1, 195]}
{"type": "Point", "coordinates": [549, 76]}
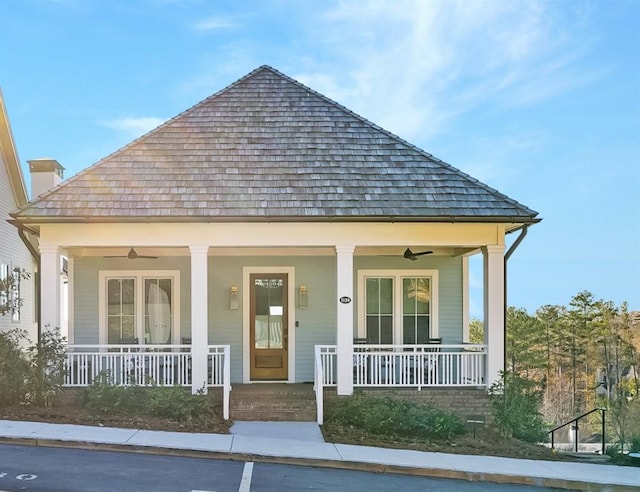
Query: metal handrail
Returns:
{"type": "Point", "coordinates": [575, 420]}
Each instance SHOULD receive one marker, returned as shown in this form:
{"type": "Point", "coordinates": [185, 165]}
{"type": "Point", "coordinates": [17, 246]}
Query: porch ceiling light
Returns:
{"type": "Point", "coordinates": [410, 255]}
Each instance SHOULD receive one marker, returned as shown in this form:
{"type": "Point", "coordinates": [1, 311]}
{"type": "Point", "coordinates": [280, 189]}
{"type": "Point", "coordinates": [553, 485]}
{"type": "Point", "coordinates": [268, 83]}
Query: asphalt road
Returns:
{"type": "Point", "coordinates": [30, 468]}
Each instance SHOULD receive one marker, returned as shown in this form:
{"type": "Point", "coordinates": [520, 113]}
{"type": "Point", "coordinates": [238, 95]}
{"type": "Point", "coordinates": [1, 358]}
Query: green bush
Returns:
{"type": "Point", "coordinates": [14, 368]}
{"type": "Point", "coordinates": [393, 418]}
{"type": "Point", "coordinates": [516, 406]}
{"type": "Point", "coordinates": [47, 366]}
{"type": "Point", "coordinates": [30, 374]}
{"type": "Point", "coordinates": [173, 402]}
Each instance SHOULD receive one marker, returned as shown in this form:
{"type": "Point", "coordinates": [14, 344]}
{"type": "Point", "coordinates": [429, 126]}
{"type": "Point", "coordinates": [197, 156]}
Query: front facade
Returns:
{"type": "Point", "coordinates": [14, 254]}
{"type": "Point", "coordinates": [271, 224]}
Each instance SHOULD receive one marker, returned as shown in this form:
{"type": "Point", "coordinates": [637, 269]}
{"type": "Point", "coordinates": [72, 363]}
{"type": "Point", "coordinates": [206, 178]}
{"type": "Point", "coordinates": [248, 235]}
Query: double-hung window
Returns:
{"type": "Point", "coordinates": [398, 306]}
{"type": "Point", "coordinates": [139, 307]}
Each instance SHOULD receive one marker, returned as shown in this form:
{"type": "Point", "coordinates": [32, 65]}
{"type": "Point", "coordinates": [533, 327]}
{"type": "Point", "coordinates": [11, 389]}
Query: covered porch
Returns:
{"type": "Point", "coordinates": [211, 286]}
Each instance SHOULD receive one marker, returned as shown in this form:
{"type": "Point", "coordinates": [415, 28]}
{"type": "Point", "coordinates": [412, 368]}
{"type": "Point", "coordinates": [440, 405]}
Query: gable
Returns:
{"type": "Point", "coordinates": [269, 148]}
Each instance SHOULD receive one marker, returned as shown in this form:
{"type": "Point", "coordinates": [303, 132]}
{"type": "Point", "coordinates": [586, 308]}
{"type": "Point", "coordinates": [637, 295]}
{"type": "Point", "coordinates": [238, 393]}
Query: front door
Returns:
{"type": "Point", "coordinates": [268, 326]}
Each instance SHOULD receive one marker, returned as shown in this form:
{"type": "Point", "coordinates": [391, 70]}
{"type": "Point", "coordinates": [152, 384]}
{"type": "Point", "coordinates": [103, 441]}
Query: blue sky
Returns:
{"type": "Point", "coordinates": [538, 99]}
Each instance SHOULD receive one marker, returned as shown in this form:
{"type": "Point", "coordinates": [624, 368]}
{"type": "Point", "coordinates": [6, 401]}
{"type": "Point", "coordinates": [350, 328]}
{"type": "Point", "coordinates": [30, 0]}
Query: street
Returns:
{"type": "Point", "coordinates": [30, 468]}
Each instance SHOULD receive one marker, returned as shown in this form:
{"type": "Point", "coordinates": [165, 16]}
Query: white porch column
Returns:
{"type": "Point", "coordinates": [494, 299]}
{"type": "Point", "coordinates": [49, 287]}
{"type": "Point", "coordinates": [344, 334]}
{"type": "Point", "coordinates": [199, 318]}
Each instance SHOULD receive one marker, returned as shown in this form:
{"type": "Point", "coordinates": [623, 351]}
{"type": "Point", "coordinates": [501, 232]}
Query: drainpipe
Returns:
{"type": "Point", "coordinates": [36, 256]}
{"type": "Point", "coordinates": [523, 232]}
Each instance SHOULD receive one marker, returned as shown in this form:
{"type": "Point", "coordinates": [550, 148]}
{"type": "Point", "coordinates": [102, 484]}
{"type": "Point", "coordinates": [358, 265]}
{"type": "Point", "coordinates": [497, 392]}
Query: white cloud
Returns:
{"type": "Point", "coordinates": [430, 62]}
{"type": "Point", "coordinates": [133, 127]}
{"type": "Point", "coordinates": [215, 23]}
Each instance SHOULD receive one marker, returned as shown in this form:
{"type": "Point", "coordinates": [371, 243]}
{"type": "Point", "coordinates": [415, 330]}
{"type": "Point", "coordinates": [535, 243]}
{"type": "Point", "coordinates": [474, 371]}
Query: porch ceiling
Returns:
{"type": "Point", "coordinates": [391, 251]}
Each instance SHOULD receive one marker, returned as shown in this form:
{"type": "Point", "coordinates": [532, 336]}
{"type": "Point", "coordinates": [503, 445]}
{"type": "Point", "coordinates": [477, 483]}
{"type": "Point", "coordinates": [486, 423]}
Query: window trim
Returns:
{"type": "Point", "coordinates": [398, 275]}
{"type": "Point", "coordinates": [139, 276]}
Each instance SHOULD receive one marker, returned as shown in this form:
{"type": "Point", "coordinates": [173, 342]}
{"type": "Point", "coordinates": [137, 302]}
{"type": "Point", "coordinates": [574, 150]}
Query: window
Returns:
{"type": "Point", "coordinates": [397, 306]}
{"type": "Point", "coordinates": [139, 307]}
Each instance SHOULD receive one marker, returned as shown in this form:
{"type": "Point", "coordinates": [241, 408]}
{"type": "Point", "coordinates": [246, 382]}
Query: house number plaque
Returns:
{"type": "Point", "coordinates": [345, 300]}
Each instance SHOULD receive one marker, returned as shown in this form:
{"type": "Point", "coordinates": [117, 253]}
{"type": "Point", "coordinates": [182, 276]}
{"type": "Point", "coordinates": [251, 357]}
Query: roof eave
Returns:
{"type": "Point", "coordinates": [270, 218]}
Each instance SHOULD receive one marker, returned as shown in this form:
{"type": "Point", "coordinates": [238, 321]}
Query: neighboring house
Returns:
{"type": "Point", "coordinates": [266, 229]}
{"type": "Point", "coordinates": [14, 254]}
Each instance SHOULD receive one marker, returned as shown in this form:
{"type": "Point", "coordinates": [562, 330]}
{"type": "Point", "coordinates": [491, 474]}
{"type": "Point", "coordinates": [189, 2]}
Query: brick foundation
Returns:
{"type": "Point", "coordinates": [467, 403]}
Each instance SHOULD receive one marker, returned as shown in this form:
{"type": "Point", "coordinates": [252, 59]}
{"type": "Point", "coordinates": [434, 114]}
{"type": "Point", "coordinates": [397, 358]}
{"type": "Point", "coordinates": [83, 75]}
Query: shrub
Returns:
{"type": "Point", "coordinates": [46, 360]}
{"type": "Point", "coordinates": [30, 374]}
{"type": "Point", "coordinates": [173, 402]}
{"type": "Point", "coordinates": [14, 368]}
{"type": "Point", "coordinates": [393, 418]}
{"type": "Point", "coordinates": [516, 406]}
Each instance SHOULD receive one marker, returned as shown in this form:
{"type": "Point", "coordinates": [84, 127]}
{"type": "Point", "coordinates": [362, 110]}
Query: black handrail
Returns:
{"type": "Point", "coordinates": [552, 431]}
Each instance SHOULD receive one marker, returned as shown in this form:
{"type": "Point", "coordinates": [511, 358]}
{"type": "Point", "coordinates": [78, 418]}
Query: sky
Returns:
{"type": "Point", "coordinates": [538, 99]}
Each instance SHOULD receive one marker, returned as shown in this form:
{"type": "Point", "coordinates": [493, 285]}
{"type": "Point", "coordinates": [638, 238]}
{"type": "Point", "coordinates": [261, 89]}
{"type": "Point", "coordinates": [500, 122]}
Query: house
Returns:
{"type": "Point", "coordinates": [270, 234]}
{"type": "Point", "coordinates": [15, 255]}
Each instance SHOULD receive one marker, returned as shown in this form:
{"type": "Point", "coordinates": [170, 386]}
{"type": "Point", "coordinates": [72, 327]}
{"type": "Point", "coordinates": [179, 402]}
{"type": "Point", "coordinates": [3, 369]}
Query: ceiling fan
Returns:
{"type": "Point", "coordinates": [132, 255]}
{"type": "Point", "coordinates": [410, 255]}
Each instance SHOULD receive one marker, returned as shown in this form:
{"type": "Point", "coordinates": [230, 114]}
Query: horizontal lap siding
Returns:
{"type": "Point", "coordinates": [316, 323]}
{"type": "Point", "coordinates": [85, 290]}
{"type": "Point", "coordinates": [449, 282]}
{"type": "Point", "coordinates": [14, 253]}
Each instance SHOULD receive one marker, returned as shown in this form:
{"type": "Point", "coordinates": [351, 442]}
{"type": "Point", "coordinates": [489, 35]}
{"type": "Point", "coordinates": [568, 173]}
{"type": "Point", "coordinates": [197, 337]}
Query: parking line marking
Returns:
{"type": "Point", "coordinates": [245, 482]}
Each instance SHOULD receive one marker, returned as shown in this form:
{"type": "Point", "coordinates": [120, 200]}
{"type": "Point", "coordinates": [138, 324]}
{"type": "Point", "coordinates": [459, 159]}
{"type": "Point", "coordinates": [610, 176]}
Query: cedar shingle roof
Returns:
{"type": "Point", "coordinates": [270, 148]}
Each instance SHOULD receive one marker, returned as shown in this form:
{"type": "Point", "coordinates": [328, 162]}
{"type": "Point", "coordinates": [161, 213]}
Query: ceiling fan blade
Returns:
{"type": "Point", "coordinates": [410, 255]}
{"type": "Point", "coordinates": [133, 255]}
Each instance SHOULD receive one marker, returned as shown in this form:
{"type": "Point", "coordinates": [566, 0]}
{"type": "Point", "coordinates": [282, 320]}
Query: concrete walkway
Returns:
{"type": "Point", "coordinates": [302, 443]}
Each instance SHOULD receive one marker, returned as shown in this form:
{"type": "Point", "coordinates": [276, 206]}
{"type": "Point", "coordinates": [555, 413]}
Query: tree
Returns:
{"type": "Point", "coordinates": [476, 331]}
{"type": "Point", "coordinates": [525, 349]}
{"type": "Point", "coordinates": [10, 300]}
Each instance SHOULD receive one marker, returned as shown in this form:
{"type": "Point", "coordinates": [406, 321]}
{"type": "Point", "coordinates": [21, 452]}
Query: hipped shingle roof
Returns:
{"type": "Point", "coordinates": [270, 148]}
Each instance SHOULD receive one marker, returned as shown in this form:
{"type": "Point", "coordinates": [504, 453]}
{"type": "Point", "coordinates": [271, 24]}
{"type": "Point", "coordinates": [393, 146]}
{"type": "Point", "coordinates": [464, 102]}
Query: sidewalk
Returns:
{"type": "Point", "coordinates": [302, 443]}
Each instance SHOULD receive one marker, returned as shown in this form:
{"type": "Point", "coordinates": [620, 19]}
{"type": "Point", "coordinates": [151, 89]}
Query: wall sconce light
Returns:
{"type": "Point", "coordinates": [303, 297]}
{"type": "Point", "coordinates": [233, 297]}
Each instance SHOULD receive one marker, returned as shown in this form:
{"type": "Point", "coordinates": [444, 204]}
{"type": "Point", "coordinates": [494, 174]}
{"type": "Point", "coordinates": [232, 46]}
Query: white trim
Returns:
{"type": "Point", "coordinates": [70, 300]}
{"type": "Point", "coordinates": [139, 275]}
{"type": "Point", "coordinates": [246, 318]}
{"type": "Point", "coordinates": [434, 326]}
{"type": "Point", "coordinates": [465, 299]}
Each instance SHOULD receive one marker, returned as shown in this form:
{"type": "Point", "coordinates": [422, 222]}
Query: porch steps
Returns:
{"type": "Point", "coordinates": [273, 402]}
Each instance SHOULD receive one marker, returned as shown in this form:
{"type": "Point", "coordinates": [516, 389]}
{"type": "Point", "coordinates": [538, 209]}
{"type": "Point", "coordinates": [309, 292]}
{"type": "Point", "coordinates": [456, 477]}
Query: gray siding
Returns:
{"type": "Point", "coordinates": [317, 323]}
{"type": "Point", "coordinates": [13, 252]}
{"type": "Point", "coordinates": [85, 290]}
{"type": "Point", "coordinates": [449, 293]}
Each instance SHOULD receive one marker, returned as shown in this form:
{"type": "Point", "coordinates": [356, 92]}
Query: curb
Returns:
{"type": "Point", "coordinates": [320, 463]}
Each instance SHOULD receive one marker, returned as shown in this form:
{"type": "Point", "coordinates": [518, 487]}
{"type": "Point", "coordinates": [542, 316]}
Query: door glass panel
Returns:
{"type": "Point", "coordinates": [157, 310]}
{"type": "Point", "coordinates": [269, 313]}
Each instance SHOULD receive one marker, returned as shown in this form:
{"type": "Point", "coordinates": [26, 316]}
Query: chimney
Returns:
{"type": "Point", "coordinates": [45, 174]}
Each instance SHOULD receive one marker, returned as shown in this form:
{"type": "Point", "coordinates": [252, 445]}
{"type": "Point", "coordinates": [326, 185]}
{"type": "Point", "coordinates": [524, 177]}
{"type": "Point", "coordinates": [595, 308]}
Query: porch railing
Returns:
{"type": "Point", "coordinates": [418, 366]}
{"type": "Point", "coordinates": [407, 365]}
{"type": "Point", "coordinates": [146, 365]}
